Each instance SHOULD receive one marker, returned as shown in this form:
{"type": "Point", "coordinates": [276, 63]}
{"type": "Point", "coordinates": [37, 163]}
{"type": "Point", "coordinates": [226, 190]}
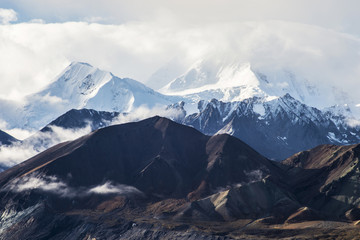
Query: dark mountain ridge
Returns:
{"type": "Point", "coordinates": [285, 127]}
{"type": "Point", "coordinates": [169, 180]}
{"type": "Point", "coordinates": [80, 118]}
{"type": "Point", "coordinates": [6, 139]}
{"type": "Point", "coordinates": [135, 153]}
{"type": "Point", "coordinates": [327, 178]}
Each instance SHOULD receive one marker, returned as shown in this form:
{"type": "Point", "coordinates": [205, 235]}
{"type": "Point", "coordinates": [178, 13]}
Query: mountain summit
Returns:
{"type": "Point", "coordinates": [164, 178]}
{"type": "Point", "coordinates": [81, 85]}
{"type": "Point", "coordinates": [237, 81]}
{"type": "Point", "coordinates": [156, 155]}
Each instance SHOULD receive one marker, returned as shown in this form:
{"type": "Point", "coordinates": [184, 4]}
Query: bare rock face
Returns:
{"type": "Point", "coordinates": [282, 128]}
{"type": "Point", "coordinates": [6, 139]}
{"type": "Point", "coordinates": [303, 214]}
{"type": "Point", "coordinates": [326, 178]}
{"type": "Point", "coordinates": [249, 201]}
{"type": "Point", "coordinates": [80, 118]}
{"type": "Point", "coordinates": [353, 214]}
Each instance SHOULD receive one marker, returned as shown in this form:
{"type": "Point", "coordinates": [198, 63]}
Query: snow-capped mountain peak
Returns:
{"type": "Point", "coordinates": [81, 85]}
{"type": "Point", "coordinates": [205, 76]}
{"type": "Point", "coordinates": [236, 81]}
{"type": "Point", "coordinates": [276, 128]}
{"type": "Point", "coordinates": [77, 83]}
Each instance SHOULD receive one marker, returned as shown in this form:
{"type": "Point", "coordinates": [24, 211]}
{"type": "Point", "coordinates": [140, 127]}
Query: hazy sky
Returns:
{"type": "Point", "coordinates": [340, 15]}
{"type": "Point", "coordinates": [39, 38]}
{"type": "Point", "coordinates": [329, 12]}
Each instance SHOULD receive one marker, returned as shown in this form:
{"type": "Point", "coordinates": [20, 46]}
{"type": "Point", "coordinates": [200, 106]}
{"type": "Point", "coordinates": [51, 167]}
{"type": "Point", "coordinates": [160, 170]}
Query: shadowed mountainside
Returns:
{"type": "Point", "coordinates": [327, 178]}
{"type": "Point", "coordinates": [156, 155]}
{"type": "Point", "coordinates": [6, 139]}
{"type": "Point", "coordinates": [171, 181]}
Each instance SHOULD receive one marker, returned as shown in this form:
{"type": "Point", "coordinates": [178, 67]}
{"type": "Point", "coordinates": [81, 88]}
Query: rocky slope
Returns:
{"type": "Point", "coordinates": [81, 118]}
{"type": "Point", "coordinates": [276, 128]}
{"type": "Point", "coordinates": [6, 139]}
{"type": "Point", "coordinates": [154, 149]}
{"type": "Point", "coordinates": [159, 179]}
{"type": "Point", "coordinates": [327, 178]}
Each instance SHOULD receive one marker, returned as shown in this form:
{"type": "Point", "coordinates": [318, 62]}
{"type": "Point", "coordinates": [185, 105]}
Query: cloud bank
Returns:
{"type": "Point", "coordinates": [54, 185]}
{"type": "Point", "coordinates": [333, 14]}
{"type": "Point", "coordinates": [33, 53]}
{"type": "Point", "coordinates": [173, 112]}
{"type": "Point", "coordinates": [133, 41]}
{"type": "Point", "coordinates": [38, 142]}
{"type": "Point", "coordinates": [7, 16]}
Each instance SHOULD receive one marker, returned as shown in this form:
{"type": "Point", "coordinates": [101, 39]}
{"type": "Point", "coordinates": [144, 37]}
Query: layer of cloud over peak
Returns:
{"type": "Point", "coordinates": [38, 142]}
{"type": "Point", "coordinates": [144, 112]}
{"type": "Point", "coordinates": [34, 53]}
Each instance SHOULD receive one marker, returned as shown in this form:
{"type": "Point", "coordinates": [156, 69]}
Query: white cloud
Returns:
{"type": "Point", "coordinates": [94, 19]}
{"type": "Point", "coordinates": [144, 112]}
{"type": "Point", "coordinates": [54, 185]}
{"type": "Point", "coordinates": [334, 14]}
{"type": "Point", "coordinates": [353, 122]}
{"type": "Point", "coordinates": [38, 142]}
{"type": "Point", "coordinates": [44, 183]}
{"type": "Point", "coordinates": [109, 188]}
{"type": "Point", "coordinates": [7, 16]}
{"type": "Point", "coordinates": [19, 133]}
{"type": "Point", "coordinates": [37, 20]}
{"type": "Point", "coordinates": [51, 99]}
{"type": "Point", "coordinates": [33, 54]}
{"type": "Point", "coordinates": [12, 155]}
{"type": "Point", "coordinates": [3, 124]}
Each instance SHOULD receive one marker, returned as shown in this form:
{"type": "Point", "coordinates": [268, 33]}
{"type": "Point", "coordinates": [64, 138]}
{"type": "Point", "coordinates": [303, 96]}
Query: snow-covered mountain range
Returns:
{"type": "Point", "coordinates": [276, 128]}
{"type": "Point", "coordinates": [236, 81]}
{"type": "Point", "coordinates": [277, 113]}
{"type": "Point", "coordinates": [81, 85]}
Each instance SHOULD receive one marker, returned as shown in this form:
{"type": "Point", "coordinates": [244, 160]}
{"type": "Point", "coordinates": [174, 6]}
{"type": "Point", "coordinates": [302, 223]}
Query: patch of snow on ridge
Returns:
{"type": "Point", "coordinates": [228, 129]}
{"type": "Point", "coordinates": [259, 109]}
{"type": "Point", "coordinates": [332, 137]}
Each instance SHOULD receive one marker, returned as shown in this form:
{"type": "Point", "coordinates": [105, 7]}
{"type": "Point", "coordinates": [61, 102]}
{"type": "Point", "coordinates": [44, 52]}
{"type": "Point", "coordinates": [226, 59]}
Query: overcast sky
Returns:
{"type": "Point", "coordinates": [39, 38]}
{"type": "Point", "coordinates": [341, 15]}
